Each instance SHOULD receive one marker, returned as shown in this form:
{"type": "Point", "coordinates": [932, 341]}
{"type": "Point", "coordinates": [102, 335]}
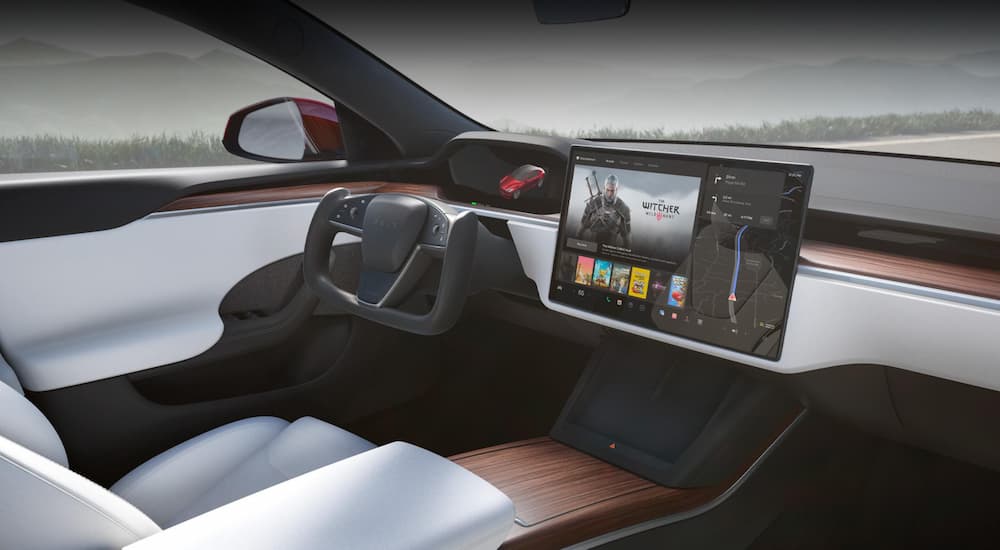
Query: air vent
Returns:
{"type": "Point", "coordinates": [898, 237]}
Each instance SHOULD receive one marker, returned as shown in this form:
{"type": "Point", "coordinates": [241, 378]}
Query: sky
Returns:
{"type": "Point", "coordinates": [102, 27]}
{"type": "Point", "coordinates": [655, 31]}
{"type": "Point", "coordinates": [655, 35]}
{"type": "Point", "coordinates": [491, 59]}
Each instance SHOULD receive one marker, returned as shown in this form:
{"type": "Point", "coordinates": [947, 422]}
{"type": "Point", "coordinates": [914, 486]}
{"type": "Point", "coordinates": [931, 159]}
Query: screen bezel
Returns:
{"type": "Point", "coordinates": [805, 180]}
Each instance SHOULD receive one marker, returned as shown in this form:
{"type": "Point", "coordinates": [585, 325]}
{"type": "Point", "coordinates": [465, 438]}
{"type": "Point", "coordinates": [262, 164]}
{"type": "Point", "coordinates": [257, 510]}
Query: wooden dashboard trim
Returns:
{"type": "Point", "coordinates": [294, 192]}
{"type": "Point", "coordinates": [871, 263]}
{"type": "Point", "coordinates": [905, 269]}
{"type": "Point", "coordinates": [563, 496]}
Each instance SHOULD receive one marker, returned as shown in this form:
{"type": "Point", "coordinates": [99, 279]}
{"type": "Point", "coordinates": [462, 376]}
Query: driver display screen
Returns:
{"type": "Point", "coordinates": [704, 248]}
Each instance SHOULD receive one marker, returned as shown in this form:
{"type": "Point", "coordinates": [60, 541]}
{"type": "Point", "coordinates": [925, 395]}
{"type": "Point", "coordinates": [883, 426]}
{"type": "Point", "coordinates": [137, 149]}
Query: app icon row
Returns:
{"type": "Point", "coordinates": [634, 281]}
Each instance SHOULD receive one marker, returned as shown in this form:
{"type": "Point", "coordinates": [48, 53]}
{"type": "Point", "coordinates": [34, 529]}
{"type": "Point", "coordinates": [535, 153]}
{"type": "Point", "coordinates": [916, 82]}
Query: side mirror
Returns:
{"type": "Point", "coordinates": [285, 129]}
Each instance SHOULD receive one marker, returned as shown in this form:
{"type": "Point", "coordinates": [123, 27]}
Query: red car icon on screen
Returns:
{"type": "Point", "coordinates": [523, 179]}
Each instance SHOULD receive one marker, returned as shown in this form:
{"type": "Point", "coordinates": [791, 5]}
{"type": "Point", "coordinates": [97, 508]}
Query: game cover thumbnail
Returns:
{"type": "Point", "coordinates": [620, 278]}
{"type": "Point", "coordinates": [584, 270]}
{"type": "Point", "coordinates": [678, 291]}
{"type": "Point", "coordinates": [602, 274]}
{"type": "Point", "coordinates": [639, 283]}
{"type": "Point", "coordinates": [567, 267]}
{"type": "Point", "coordinates": [659, 281]}
{"type": "Point", "coordinates": [645, 214]}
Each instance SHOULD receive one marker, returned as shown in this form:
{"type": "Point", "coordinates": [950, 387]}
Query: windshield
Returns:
{"type": "Point", "coordinates": [902, 78]}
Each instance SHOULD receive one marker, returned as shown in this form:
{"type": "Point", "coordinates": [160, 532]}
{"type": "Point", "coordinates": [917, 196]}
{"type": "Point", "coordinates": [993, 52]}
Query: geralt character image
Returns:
{"type": "Point", "coordinates": [606, 218]}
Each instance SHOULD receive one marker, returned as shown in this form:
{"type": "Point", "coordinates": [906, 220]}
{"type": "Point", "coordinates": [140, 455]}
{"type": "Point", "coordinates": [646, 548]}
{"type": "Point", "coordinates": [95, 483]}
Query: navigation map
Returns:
{"type": "Point", "coordinates": [736, 267]}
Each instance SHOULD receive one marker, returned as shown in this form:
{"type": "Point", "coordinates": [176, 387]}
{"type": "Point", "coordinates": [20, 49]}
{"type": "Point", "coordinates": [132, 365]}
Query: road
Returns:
{"type": "Point", "coordinates": [969, 145]}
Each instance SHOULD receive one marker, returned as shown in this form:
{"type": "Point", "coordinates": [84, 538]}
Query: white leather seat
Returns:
{"type": "Point", "coordinates": [45, 505]}
{"type": "Point", "coordinates": [231, 462]}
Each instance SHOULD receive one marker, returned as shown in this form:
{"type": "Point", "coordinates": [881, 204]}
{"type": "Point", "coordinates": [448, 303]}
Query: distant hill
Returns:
{"type": "Point", "coordinates": [227, 60]}
{"type": "Point", "coordinates": [242, 65]}
{"type": "Point", "coordinates": [30, 52]}
{"type": "Point", "coordinates": [982, 63]}
{"type": "Point", "coordinates": [851, 87]}
{"type": "Point", "coordinates": [532, 85]}
{"type": "Point", "coordinates": [121, 96]}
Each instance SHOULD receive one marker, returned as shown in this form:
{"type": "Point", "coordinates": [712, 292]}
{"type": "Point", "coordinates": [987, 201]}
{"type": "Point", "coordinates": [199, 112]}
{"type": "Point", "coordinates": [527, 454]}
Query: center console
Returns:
{"type": "Point", "coordinates": [676, 417]}
{"type": "Point", "coordinates": [650, 431]}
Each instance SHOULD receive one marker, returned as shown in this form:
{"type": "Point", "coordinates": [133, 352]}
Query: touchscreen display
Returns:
{"type": "Point", "coordinates": [704, 248]}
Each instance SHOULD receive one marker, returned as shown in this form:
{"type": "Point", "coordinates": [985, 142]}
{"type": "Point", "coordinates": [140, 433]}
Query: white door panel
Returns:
{"type": "Point", "coordinates": [83, 307]}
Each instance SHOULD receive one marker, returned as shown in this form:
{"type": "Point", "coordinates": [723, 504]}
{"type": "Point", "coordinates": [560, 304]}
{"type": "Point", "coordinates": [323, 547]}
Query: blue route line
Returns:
{"type": "Point", "coordinates": [736, 266]}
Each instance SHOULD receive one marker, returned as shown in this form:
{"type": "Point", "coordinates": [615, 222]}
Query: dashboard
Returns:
{"type": "Point", "coordinates": [700, 247]}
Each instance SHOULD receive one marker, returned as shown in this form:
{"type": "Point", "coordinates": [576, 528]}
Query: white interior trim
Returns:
{"type": "Point", "coordinates": [83, 307]}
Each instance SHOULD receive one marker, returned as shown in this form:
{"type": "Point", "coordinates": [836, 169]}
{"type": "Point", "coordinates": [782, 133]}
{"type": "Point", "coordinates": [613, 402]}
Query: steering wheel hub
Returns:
{"type": "Point", "coordinates": [391, 226]}
{"type": "Point", "coordinates": [402, 236]}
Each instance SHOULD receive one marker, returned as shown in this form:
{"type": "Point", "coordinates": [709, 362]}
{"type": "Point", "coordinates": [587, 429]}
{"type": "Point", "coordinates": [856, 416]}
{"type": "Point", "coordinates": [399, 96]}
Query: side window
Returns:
{"type": "Point", "coordinates": [107, 85]}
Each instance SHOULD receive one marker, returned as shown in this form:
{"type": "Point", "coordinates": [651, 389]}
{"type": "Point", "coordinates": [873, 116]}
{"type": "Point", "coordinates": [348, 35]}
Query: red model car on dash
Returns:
{"type": "Point", "coordinates": [523, 179]}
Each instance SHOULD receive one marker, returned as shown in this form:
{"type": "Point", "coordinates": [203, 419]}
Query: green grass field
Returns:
{"type": "Point", "coordinates": [814, 129]}
{"type": "Point", "coordinates": [55, 153]}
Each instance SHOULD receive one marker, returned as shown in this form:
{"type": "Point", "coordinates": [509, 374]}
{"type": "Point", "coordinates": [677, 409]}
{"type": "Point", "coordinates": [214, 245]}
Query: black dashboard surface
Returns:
{"type": "Point", "coordinates": [480, 164]}
{"type": "Point", "coordinates": [700, 247]}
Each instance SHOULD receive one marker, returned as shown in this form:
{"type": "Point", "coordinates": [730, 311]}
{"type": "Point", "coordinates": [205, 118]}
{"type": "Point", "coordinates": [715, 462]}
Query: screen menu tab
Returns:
{"type": "Point", "coordinates": [704, 248]}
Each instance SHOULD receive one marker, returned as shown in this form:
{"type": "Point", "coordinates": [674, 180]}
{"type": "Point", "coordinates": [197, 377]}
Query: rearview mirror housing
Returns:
{"type": "Point", "coordinates": [285, 129]}
{"type": "Point", "coordinates": [561, 12]}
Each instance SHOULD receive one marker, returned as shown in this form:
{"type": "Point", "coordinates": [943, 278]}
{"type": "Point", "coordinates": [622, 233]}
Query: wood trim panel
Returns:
{"type": "Point", "coordinates": [563, 496]}
{"type": "Point", "coordinates": [905, 269]}
{"type": "Point", "coordinates": [501, 447]}
{"type": "Point", "coordinates": [294, 192]}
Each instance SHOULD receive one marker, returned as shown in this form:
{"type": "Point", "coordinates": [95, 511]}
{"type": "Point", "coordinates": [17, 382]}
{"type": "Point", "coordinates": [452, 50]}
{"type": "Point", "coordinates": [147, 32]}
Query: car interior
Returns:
{"type": "Point", "coordinates": [400, 328]}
